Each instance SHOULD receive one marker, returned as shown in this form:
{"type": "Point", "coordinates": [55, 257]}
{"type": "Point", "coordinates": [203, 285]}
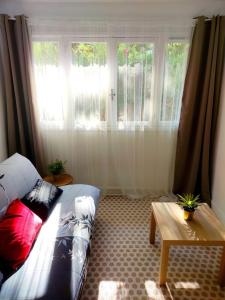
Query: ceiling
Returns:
{"type": "Point", "coordinates": [130, 10]}
{"type": "Point", "coordinates": [117, 1]}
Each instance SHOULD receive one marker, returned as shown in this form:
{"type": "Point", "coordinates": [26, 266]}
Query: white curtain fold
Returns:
{"type": "Point", "coordinates": [122, 141]}
{"type": "Point", "coordinates": [135, 162]}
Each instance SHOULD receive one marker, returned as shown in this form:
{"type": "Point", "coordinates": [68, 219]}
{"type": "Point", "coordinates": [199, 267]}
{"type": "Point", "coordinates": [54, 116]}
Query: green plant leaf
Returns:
{"type": "Point", "coordinates": [56, 167]}
{"type": "Point", "coordinates": [189, 201]}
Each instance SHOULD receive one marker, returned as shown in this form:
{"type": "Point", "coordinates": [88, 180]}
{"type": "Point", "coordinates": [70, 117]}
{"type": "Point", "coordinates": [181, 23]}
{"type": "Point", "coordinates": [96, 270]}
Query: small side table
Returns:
{"type": "Point", "coordinates": [59, 180]}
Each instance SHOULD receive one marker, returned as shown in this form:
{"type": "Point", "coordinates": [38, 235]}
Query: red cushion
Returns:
{"type": "Point", "coordinates": [18, 230]}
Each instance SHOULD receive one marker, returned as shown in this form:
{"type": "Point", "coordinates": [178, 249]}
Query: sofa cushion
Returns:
{"type": "Point", "coordinates": [42, 198]}
{"type": "Point", "coordinates": [18, 230]}
{"type": "Point", "coordinates": [19, 178]}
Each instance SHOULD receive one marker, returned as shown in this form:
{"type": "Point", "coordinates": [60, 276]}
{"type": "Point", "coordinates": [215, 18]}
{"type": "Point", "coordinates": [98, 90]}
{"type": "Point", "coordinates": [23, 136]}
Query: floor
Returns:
{"type": "Point", "coordinates": [123, 265]}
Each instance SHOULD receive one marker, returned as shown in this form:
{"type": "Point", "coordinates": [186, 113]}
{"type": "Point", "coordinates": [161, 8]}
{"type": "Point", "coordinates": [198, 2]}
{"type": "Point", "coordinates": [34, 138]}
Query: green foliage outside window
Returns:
{"type": "Point", "coordinates": [135, 53]}
{"type": "Point", "coordinates": [176, 53]}
{"type": "Point", "coordinates": [176, 57]}
{"type": "Point", "coordinates": [46, 53]}
{"type": "Point", "coordinates": [86, 54]}
{"type": "Point", "coordinates": [132, 55]}
{"type": "Point", "coordinates": [90, 53]}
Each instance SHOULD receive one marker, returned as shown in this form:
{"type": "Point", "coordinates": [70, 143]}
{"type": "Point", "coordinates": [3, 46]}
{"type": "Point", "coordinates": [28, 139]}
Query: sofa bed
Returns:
{"type": "Point", "coordinates": [56, 265]}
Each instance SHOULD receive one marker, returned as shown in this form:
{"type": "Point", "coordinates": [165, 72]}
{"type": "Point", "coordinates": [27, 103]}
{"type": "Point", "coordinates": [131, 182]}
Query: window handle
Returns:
{"type": "Point", "coordinates": [112, 94]}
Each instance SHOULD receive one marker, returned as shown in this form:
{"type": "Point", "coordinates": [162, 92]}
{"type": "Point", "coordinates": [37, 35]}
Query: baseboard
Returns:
{"type": "Point", "coordinates": [219, 211]}
{"type": "Point", "coordinates": [133, 191]}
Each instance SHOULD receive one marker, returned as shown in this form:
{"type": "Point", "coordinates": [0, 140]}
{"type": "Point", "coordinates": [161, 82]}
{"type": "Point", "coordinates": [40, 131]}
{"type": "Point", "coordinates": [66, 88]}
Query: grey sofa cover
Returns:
{"type": "Point", "coordinates": [55, 268]}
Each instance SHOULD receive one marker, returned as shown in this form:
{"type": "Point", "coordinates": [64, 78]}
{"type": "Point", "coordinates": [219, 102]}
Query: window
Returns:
{"type": "Point", "coordinates": [49, 81]}
{"type": "Point", "coordinates": [134, 81]}
{"type": "Point", "coordinates": [89, 82]}
{"type": "Point", "coordinates": [109, 82]}
{"type": "Point", "coordinates": [175, 67]}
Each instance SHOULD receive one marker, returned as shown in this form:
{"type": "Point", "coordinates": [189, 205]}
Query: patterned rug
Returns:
{"type": "Point", "coordinates": [123, 265]}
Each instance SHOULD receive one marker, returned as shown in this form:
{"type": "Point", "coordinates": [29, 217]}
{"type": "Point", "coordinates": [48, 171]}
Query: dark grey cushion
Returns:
{"type": "Point", "coordinates": [41, 198]}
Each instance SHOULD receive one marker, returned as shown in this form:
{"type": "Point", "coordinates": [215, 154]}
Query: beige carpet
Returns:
{"type": "Point", "coordinates": [123, 265]}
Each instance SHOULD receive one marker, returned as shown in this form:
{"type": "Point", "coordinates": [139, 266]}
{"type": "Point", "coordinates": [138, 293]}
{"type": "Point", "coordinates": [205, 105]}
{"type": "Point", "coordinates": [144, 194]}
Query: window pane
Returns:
{"type": "Point", "coordinates": [134, 81]}
{"type": "Point", "coordinates": [48, 80]}
{"type": "Point", "coordinates": [175, 67]}
{"type": "Point", "coordinates": [89, 82]}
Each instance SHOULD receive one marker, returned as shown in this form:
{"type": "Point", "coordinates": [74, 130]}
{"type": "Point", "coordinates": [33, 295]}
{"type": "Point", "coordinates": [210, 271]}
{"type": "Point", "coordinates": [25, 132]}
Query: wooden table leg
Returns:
{"type": "Point", "coordinates": [163, 263]}
{"type": "Point", "coordinates": [152, 229]}
{"type": "Point", "coordinates": [222, 269]}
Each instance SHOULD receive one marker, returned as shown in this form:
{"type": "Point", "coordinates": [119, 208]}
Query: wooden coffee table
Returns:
{"type": "Point", "coordinates": [203, 230]}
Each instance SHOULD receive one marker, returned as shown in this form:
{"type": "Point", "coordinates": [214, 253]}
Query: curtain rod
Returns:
{"type": "Point", "coordinates": [206, 18]}
{"type": "Point", "coordinates": [14, 18]}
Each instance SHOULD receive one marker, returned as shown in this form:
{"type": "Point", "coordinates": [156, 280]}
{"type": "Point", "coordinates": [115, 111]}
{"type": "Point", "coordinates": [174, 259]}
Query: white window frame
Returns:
{"type": "Point", "coordinates": [159, 40]}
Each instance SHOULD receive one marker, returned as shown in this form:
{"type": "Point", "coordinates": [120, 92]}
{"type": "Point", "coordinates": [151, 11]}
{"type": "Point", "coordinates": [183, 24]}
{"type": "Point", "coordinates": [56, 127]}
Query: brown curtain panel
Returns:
{"type": "Point", "coordinates": [200, 103]}
{"type": "Point", "coordinates": [18, 89]}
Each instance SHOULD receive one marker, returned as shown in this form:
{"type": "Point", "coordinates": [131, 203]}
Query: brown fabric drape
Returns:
{"type": "Point", "coordinates": [196, 134]}
{"type": "Point", "coordinates": [18, 92]}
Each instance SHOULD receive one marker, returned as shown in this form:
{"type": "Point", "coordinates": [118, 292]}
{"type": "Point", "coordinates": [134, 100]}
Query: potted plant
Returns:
{"type": "Point", "coordinates": [189, 203]}
{"type": "Point", "coordinates": [56, 167]}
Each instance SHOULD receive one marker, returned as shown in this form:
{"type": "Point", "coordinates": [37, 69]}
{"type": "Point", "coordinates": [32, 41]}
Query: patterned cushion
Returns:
{"type": "Point", "coordinates": [42, 198]}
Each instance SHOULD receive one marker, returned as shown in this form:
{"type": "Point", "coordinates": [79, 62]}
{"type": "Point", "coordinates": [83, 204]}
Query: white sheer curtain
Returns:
{"type": "Point", "coordinates": [123, 140]}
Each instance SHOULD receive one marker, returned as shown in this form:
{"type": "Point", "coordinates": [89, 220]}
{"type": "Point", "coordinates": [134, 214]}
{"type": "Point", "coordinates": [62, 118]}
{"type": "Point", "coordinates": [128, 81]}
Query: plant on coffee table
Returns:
{"type": "Point", "coordinates": [189, 203]}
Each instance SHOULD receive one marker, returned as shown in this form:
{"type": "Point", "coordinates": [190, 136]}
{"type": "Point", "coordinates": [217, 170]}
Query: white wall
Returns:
{"type": "Point", "coordinates": [218, 191]}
